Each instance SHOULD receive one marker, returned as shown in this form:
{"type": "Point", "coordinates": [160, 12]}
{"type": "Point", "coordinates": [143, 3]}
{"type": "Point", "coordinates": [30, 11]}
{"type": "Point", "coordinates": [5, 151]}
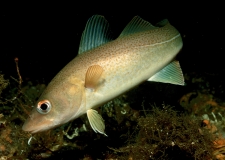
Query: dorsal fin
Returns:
{"type": "Point", "coordinates": [137, 24]}
{"type": "Point", "coordinates": [162, 23]}
{"type": "Point", "coordinates": [96, 33]}
{"type": "Point", "coordinates": [172, 73]}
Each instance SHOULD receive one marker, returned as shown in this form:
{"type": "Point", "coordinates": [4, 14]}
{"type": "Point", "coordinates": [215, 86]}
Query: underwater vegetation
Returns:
{"type": "Point", "coordinates": [165, 134]}
{"type": "Point", "coordinates": [135, 128]}
{"type": "Point", "coordinates": [205, 100]}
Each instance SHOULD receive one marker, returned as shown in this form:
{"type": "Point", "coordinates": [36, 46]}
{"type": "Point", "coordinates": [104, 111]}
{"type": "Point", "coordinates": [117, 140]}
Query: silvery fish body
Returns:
{"type": "Point", "coordinates": [106, 68]}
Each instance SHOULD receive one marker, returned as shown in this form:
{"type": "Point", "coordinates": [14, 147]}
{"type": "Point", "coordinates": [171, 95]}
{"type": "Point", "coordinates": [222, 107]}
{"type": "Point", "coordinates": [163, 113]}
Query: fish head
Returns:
{"type": "Point", "coordinates": [57, 105]}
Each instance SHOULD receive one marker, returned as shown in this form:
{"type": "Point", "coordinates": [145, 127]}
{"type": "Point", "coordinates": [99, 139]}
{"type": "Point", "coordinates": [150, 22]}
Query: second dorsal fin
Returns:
{"type": "Point", "coordinates": [137, 24]}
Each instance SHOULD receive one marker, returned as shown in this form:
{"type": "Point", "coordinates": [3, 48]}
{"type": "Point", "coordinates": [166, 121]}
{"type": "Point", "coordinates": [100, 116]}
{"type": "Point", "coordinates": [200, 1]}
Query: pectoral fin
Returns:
{"type": "Point", "coordinates": [96, 121]}
{"type": "Point", "coordinates": [93, 76]}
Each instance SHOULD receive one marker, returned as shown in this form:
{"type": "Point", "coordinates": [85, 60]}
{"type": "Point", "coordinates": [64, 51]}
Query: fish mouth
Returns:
{"type": "Point", "coordinates": [26, 128]}
{"type": "Point", "coordinates": [34, 127]}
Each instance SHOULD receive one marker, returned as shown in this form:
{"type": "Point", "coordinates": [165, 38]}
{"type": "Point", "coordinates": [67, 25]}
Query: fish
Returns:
{"type": "Point", "coordinates": [106, 68]}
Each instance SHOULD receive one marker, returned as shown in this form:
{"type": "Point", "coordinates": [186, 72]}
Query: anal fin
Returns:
{"type": "Point", "coordinates": [172, 73]}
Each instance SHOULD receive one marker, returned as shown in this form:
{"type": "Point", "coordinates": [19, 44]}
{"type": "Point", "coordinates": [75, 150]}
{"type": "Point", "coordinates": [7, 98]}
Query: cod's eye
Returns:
{"type": "Point", "coordinates": [44, 107]}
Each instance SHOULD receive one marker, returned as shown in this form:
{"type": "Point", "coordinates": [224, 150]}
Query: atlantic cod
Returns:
{"type": "Point", "coordinates": [106, 68]}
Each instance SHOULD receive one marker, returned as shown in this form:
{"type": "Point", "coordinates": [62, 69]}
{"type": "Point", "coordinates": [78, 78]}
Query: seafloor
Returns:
{"type": "Point", "coordinates": [152, 121]}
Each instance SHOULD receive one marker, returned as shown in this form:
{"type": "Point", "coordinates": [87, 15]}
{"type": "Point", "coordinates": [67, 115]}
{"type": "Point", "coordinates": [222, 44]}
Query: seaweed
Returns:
{"type": "Point", "coordinates": [165, 134]}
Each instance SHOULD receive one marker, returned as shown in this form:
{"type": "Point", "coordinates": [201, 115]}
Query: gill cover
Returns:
{"type": "Point", "coordinates": [58, 104]}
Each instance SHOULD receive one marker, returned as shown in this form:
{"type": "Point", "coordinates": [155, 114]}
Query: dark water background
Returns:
{"type": "Point", "coordinates": [46, 38]}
